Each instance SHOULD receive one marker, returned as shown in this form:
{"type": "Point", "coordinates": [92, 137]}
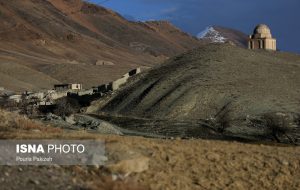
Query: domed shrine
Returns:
{"type": "Point", "coordinates": [262, 38]}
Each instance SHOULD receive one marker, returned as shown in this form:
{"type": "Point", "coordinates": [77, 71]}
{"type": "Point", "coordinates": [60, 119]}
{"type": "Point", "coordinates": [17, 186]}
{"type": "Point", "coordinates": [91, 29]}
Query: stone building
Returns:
{"type": "Point", "coordinates": [62, 87]}
{"type": "Point", "coordinates": [262, 38]}
{"type": "Point", "coordinates": [15, 98]}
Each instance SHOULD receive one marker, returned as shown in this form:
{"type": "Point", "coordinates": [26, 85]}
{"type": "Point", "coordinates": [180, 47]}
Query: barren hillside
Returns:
{"type": "Point", "coordinates": [62, 40]}
{"type": "Point", "coordinates": [234, 88]}
{"type": "Point", "coordinates": [199, 83]}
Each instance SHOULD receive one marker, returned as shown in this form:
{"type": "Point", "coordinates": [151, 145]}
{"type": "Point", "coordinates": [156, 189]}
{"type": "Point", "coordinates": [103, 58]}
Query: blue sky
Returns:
{"type": "Point", "coordinates": [193, 16]}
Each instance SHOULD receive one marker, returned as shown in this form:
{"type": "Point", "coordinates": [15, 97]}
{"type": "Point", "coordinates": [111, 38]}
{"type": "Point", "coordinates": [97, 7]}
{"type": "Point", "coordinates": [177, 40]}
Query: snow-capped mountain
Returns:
{"type": "Point", "coordinates": [219, 34]}
{"type": "Point", "coordinates": [211, 34]}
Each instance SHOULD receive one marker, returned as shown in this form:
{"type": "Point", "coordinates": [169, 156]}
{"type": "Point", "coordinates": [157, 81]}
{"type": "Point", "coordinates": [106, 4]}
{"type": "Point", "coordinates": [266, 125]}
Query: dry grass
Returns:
{"type": "Point", "coordinates": [174, 164]}
{"type": "Point", "coordinates": [15, 126]}
{"type": "Point", "coordinates": [12, 124]}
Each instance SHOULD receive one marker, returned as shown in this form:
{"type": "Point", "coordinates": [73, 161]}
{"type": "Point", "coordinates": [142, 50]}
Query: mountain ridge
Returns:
{"type": "Point", "coordinates": [220, 34]}
{"type": "Point", "coordinates": [47, 36]}
{"type": "Point", "coordinates": [63, 40]}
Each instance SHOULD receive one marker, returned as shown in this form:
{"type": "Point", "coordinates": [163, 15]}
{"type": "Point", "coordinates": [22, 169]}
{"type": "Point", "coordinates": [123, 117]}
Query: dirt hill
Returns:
{"type": "Point", "coordinates": [199, 83]}
{"type": "Point", "coordinates": [215, 82]}
{"type": "Point", "coordinates": [62, 40]}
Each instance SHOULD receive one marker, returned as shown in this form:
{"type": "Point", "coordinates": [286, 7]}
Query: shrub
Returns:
{"type": "Point", "coordinates": [66, 106]}
{"type": "Point", "coordinates": [297, 120]}
{"type": "Point", "coordinates": [11, 122]}
{"type": "Point", "coordinates": [278, 124]}
{"type": "Point", "coordinates": [221, 120]}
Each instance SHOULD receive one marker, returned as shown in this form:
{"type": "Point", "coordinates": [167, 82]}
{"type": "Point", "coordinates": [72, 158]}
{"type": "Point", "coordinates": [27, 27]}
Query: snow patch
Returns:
{"type": "Point", "coordinates": [211, 34]}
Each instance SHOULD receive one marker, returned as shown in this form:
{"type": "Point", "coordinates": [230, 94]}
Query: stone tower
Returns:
{"type": "Point", "coordinates": [262, 38]}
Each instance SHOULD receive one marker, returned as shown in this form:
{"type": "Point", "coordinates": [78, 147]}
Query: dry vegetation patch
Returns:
{"type": "Point", "coordinates": [14, 124]}
{"type": "Point", "coordinates": [171, 164]}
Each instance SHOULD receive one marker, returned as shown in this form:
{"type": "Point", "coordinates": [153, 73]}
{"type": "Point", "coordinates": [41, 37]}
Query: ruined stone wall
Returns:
{"type": "Point", "coordinates": [116, 84]}
{"type": "Point", "coordinates": [54, 95]}
{"type": "Point", "coordinates": [76, 86]}
{"type": "Point", "coordinates": [134, 72]}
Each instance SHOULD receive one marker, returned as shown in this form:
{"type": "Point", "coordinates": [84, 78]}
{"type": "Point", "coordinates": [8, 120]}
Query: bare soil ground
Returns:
{"type": "Point", "coordinates": [174, 164]}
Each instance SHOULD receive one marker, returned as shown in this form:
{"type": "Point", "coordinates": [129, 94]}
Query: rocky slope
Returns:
{"type": "Point", "coordinates": [60, 41]}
